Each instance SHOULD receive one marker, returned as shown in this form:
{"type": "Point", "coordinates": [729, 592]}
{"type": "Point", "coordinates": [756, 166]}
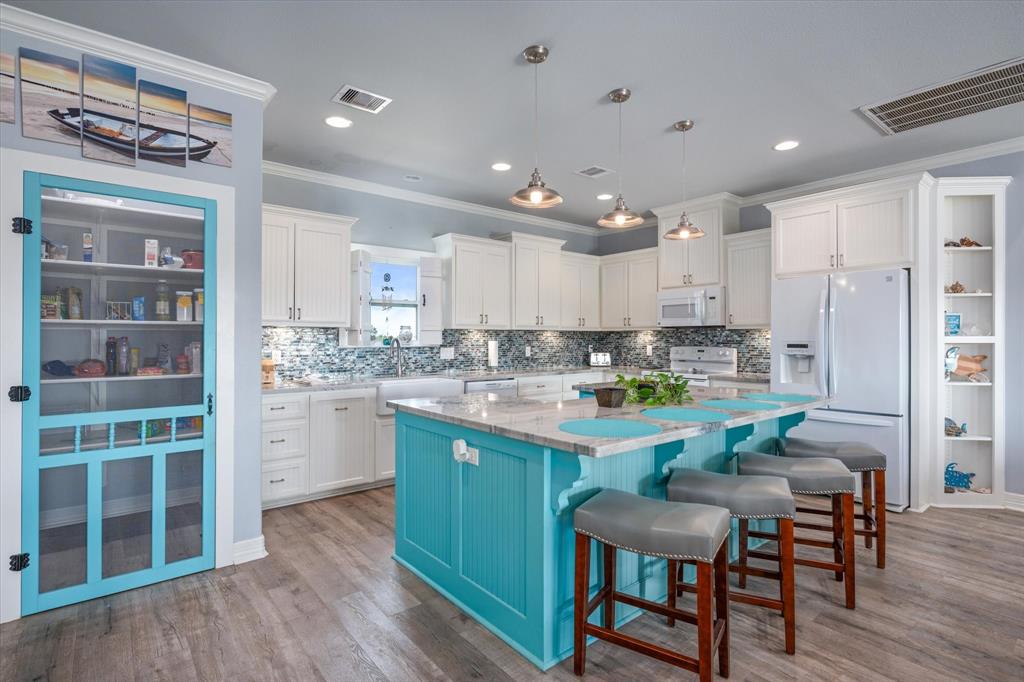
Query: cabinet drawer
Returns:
{"type": "Point", "coordinates": [283, 440]}
{"type": "Point", "coordinates": [535, 386]}
{"type": "Point", "coordinates": [279, 408]}
{"type": "Point", "coordinates": [570, 380]}
{"type": "Point", "coordinates": [283, 480]}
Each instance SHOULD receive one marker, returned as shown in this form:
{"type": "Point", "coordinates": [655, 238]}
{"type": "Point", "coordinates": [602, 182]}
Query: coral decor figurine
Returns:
{"type": "Point", "coordinates": [967, 241]}
{"type": "Point", "coordinates": [956, 479]}
{"type": "Point", "coordinates": [955, 288]}
{"type": "Point", "coordinates": [953, 430]}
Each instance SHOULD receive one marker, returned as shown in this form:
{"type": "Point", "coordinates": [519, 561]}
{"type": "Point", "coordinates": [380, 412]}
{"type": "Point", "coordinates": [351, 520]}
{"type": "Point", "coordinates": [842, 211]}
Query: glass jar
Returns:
{"type": "Point", "coordinates": [184, 306]}
{"type": "Point", "coordinates": [198, 302]}
{"type": "Point", "coordinates": [163, 300]}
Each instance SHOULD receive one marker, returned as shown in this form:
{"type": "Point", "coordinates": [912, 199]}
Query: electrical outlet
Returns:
{"type": "Point", "coordinates": [275, 355]}
{"type": "Point", "coordinates": [590, 349]}
{"type": "Point", "coordinates": [473, 457]}
{"type": "Point", "coordinates": [447, 352]}
{"type": "Point", "coordinates": [650, 350]}
{"type": "Point", "coordinates": [527, 350]}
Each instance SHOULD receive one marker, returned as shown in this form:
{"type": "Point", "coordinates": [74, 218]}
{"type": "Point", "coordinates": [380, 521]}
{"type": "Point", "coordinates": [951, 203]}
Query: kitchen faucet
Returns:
{"type": "Point", "coordinates": [396, 354]}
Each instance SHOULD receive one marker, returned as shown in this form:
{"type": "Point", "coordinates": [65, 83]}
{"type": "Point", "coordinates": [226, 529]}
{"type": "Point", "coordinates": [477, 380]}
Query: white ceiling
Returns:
{"type": "Point", "coordinates": [750, 74]}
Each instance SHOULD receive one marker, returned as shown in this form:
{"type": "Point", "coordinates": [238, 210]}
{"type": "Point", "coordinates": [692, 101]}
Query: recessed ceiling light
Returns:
{"type": "Point", "coordinates": [337, 122]}
{"type": "Point", "coordinates": [604, 197]}
{"type": "Point", "coordinates": [501, 166]}
{"type": "Point", "coordinates": [412, 178]}
{"type": "Point", "coordinates": [786, 145]}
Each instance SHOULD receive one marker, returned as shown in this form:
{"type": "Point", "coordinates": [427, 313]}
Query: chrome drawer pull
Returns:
{"type": "Point", "coordinates": [282, 407]}
{"type": "Point", "coordinates": [277, 480]}
{"type": "Point", "coordinates": [275, 442]}
{"type": "Point", "coordinates": [340, 409]}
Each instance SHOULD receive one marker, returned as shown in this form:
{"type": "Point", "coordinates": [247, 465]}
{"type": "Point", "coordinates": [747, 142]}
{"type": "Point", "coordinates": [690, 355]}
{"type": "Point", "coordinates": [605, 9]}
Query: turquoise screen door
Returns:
{"type": "Point", "coordinates": [119, 358]}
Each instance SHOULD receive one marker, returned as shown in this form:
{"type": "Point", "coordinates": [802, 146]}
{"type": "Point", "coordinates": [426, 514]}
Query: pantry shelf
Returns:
{"type": "Point", "coordinates": [975, 439]}
{"type": "Point", "coordinates": [967, 249]}
{"type": "Point", "coordinates": [969, 339]}
{"type": "Point", "coordinates": [970, 295]}
{"type": "Point", "coordinates": [119, 324]}
{"type": "Point", "coordinates": [59, 267]}
{"type": "Point", "coordinates": [148, 377]}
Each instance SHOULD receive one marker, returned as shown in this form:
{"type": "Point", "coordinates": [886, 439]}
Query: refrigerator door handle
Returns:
{"type": "Point", "coordinates": [822, 349]}
{"type": "Point", "coordinates": [833, 314]}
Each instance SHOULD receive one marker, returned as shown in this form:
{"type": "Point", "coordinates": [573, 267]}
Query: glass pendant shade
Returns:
{"type": "Point", "coordinates": [536, 194]}
{"type": "Point", "coordinates": [684, 230]}
{"type": "Point", "coordinates": [620, 216]}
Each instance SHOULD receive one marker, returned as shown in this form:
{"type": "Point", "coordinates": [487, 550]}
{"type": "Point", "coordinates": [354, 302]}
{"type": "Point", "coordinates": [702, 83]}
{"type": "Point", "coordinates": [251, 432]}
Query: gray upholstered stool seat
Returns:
{"type": "Point", "coordinates": [671, 530]}
{"type": "Point", "coordinates": [856, 456]}
{"type": "Point", "coordinates": [746, 497]}
{"type": "Point", "coordinates": [809, 475]}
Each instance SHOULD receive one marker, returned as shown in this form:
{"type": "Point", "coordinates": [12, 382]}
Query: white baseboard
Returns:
{"type": "Point", "coordinates": [1014, 501]}
{"type": "Point", "coordinates": [249, 550]}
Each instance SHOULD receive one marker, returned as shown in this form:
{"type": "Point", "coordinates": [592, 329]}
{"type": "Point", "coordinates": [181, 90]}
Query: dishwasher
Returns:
{"type": "Point", "coordinates": [504, 386]}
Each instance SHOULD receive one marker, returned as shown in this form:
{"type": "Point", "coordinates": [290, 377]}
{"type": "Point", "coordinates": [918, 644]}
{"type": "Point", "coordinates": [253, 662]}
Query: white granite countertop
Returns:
{"type": "Point", "coordinates": [342, 382]}
{"type": "Point", "coordinates": [537, 422]}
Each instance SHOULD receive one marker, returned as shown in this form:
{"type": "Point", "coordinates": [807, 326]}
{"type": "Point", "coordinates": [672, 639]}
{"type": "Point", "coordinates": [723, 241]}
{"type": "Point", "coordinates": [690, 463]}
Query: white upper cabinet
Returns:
{"type": "Point", "coordinates": [431, 295]}
{"type": "Point", "coordinates": [748, 274]}
{"type": "Point", "coordinates": [854, 228]}
{"type": "Point", "coordinates": [581, 291]}
{"type": "Point", "coordinates": [684, 263]}
{"type": "Point", "coordinates": [305, 270]}
{"type": "Point", "coordinates": [571, 313]}
{"type": "Point", "coordinates": [536, 281]}
{"type": "Point", "coordinates": [590, 293]}
{"type": "Point", "coordinates": [629, 290]}
{"type": "Point", "coordinates": [477, 282]}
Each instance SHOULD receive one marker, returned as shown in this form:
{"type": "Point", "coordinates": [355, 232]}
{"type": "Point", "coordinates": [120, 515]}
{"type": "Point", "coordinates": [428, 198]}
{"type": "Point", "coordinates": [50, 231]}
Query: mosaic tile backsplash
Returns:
{"type": "Point", "coordinates": [311, 350]}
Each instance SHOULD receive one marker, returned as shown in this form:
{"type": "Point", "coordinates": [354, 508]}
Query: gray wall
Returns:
{"type": "Point", "coordinates": [384, 221]}
{"type": "Point", "coordinates": [244, 176]}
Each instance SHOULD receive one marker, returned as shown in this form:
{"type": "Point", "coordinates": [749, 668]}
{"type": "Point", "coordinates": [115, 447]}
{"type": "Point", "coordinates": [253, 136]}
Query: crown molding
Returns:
{"type": "Point", "coordinates": [1014, 144]}
{"type": "Point", "coordinates": [77, 37]}
{"type": "Point", "coordinates": [306, 214]}
{"type": "Point", "coordinates": [677, 208]}
{"type": "Point", "coordinates": [367, 187]}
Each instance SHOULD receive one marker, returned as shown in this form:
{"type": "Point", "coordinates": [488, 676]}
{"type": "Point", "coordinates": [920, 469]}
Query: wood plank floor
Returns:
{"type": "Point", "coordinates": [330, 604]}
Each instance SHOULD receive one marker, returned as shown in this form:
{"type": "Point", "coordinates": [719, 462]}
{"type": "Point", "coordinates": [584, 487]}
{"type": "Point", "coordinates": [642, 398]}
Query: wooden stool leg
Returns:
{"type": "Point", "coordinates": [670, 600]}
{"type": "Point", "coordinates": [582, 596]}
{"type": "Point", "coordinates": [880, 516]}
{"type": "Point", "coordinates": [787, 582]}
{"type": "Point", "coordinates": [705, 628]}
{"type": "Point", "coordinates": [849, 550]}
{"type": "Point", "coordinates": [744, 529]}
{"type": "Point", "coordinates": [865, 496]}
{"type": "Point", "coordinates": [722, 606]}
{"type": "Point", "coordinates": [837, 533]}
{"type": "Point", "coordinates": [609, 579]}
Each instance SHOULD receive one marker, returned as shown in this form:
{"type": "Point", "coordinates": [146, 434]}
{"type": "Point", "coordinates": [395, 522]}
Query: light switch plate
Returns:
{"type": "Point", "coordinates": [474, 457]}
{"type": "Point", "coordinates": [527, 351]}
{"type": "Point", "coordinates": [447, 352]}
{"type": "Point", "coordinates": [650, 350]}
{"type": "Point", "coordinates": [275, 355]}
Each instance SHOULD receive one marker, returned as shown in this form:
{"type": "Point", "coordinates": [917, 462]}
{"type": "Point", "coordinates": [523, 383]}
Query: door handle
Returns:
{"type": "Point", "coordinates": [424, 300]}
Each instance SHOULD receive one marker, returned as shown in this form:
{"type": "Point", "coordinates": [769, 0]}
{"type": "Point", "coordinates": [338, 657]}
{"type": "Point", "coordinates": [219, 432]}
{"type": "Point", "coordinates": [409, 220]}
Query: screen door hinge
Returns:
{"type": "Point", "coordinates": [21, 225]}
{"type": "Point", "coordinates": [19, 562]}
{"type": "Point", "coordinates": [19, 394]}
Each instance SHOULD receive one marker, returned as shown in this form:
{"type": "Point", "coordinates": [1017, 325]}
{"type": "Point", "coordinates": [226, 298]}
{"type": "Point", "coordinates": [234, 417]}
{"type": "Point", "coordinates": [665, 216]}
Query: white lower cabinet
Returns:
{"type": "Point", "coordinates": [384, 447]}
{"type": "Point", "coordinates": [284, 480]}
{"type": "Point", "coordinates": [339, 453]}
{"type": "Point", "coordinates": [570, 380]}
{"type": "Point", "coordinates": [546, 389]}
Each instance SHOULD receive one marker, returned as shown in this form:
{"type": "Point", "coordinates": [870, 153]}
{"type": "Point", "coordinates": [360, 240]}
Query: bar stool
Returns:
{"type": "Point", "coordinates": [670, 530]}
{"type": "Point", "coordinates": [810, 476]}
{"type": "Point", "coordinates": [858, 458]}
{"type": "Point", "coordinates": [746, 497]}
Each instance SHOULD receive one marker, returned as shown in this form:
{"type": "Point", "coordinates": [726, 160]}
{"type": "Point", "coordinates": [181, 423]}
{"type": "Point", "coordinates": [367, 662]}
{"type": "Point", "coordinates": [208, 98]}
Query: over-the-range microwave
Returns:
{"type": "Point", "coordinates": [694, 307]}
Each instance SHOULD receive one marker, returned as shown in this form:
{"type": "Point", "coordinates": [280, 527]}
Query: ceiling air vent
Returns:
{"type": "Point", "coordinates": [988, 88]}
{"type": "Point", "coordinates": [363, 100]}
{"type": "Point", "coordinates": [594, 172]}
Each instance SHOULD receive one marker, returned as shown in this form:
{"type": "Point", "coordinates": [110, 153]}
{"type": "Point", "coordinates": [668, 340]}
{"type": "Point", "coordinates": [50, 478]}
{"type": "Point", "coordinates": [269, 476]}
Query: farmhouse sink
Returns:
{"type": "Point", "coordinates": [425, 387]}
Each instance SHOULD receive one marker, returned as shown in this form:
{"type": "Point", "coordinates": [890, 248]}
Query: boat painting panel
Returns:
{"type": "Point", "coordinates": [109, 101]}
{"type": "Point", "coordinates": [215, 126]}
{"type": "Point", "coordinates": [7, 85]}
{"type": "Point", "coordinates": [48, 83]}
{"type": "Point", "coordinates": [163, 124]}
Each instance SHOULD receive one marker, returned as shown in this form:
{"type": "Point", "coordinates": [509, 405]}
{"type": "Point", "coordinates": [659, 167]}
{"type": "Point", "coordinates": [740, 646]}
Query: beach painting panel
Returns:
{"type": "Point", "coordinates": [49, 92]}
{"type": "Point", "coordinates": [163, 123]}
{"type": "Point", "coordinates": [7, 85]}
{"type": "Point", "coordinates": [211, 126]}
{"type": "Point", "coordinates": [109, 116]}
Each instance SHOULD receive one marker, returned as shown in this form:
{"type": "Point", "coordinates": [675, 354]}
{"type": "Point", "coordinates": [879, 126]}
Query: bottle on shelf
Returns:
{"type": "Point", "coordinates": [123, 357]}
{"type": "Point", "coordinates": [111, 356]}
{"type": "Point", "coordinates": [163, 301]}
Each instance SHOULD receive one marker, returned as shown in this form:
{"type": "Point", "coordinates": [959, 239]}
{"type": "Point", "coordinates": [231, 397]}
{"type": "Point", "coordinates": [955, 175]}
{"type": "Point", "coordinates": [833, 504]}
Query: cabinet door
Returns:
{"type": "Point", "coordinates": [613, 295]}
{"type": "Point", "coordinates": [590, 295]}
{"type": "Point", "coordinates": [338, 446]}
{"type": "Point", "coordinates": [805, 240]}
{"type": "Point", "coordinates": [704, 255]}
{"type": "Point", "coordinates": [430, 304]}
{"type": "Point", "coordinates": [467, 286]}
{"type": "Point", "coordinates": [322, 273]}
{"type": "Point", "coordinates": [672, 265]}
{"type": "Point", "coordinates": [748, 286]}
{"type": "Point", "coordinates": [571, 315]}
{"type": "Point", "coordinates": [277, 276]}
{"type": "Point", "coordinates": [384, 446]}
{"type": "Point", "coordinates": [642, 291]}
{"type": "Point", "coordinates": [874, 231]}
{"type": "Point", "coordinates": [549, 296]}
{"type": "Point", "coordinates": [527, 285]}
{"type": "Point", "coordinates": [496, 278]}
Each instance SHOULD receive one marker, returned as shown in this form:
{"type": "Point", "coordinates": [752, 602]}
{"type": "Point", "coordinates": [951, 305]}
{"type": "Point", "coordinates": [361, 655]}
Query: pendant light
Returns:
{"type": "Point", "coordinates": [685, 229]}
{"type": "Point", "coordinates": [620, 216]}
{"type": "Point", "coordinates": [536, 194]}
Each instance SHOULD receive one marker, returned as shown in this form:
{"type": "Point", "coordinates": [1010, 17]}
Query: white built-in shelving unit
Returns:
{"type": "Point", "coordinates": [975, 208]}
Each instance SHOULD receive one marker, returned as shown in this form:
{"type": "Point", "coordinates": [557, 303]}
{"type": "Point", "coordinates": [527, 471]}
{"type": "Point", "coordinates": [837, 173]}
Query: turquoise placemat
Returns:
{"type": "Point", "coordinates": [781, 397]}
{"type": "Point", "coordinates": [746, 405]}
{"type": "Point", "coordinates": [609, 428]}
{"type": "Point", "coordinates": [685, 414]}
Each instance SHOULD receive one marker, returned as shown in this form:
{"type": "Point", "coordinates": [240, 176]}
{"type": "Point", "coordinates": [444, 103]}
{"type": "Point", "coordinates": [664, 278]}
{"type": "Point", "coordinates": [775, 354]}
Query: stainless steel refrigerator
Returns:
{"type": "Point", "coordinates": [848, 336]}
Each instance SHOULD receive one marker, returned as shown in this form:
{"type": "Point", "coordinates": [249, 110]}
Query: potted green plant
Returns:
{"type": "Point", "coordinates": [663, 388]}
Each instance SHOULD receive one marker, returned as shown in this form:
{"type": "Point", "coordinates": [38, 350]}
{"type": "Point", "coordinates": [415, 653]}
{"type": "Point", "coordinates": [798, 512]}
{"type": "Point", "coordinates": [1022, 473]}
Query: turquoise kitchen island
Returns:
{"type": "Point", "coordinates": [485, 489]}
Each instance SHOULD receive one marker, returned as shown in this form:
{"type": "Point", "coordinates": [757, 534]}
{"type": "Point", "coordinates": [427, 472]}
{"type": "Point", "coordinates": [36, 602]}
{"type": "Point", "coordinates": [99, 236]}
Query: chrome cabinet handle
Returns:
{"type": "Point", "coordinates": [832, 261]}
{"type": "Point", "coordinates": [487, 318]}
{"type": "Point", "coordinates": [275, 442]}
{"type": "Point", "coordinates": [840, 260]}
{"type": "Point", "coordinates": [277, 480]}
{"type": "Point", "coordinates": [274, 409]}
{"type": "Point", "coordinates": [584, 322]}
{"type": "Point", "coordinates": [630, 319]}
{"type": "Point", "coordinates": [289, 312]}
{"type": "Point", "coordinates": [536, 319]}
{"type": "Point", "coordinates": [424, 300]}
{"type": "Point", "coordinates": [481, 318]}
{"type": "Point", "coordinates": [730, 318]}
{"type": "Point", "coordinates": [542, 320]}
{"type": "Point", "coordinates": [341, 409]}
{"type": "Point", "coordinates": [300, 312]}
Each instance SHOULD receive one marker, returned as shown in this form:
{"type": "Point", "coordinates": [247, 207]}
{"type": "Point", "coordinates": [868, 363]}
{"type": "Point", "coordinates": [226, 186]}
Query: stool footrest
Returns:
{"type": "Point", "coordinates": [767, 556]}
{"type": "Point", "coordinates": [754, 571]}
{"type": "Point", "coordinates": [813, 526]}
{"type": "Point", "coordinates": [646, 648]}
{"type": "Point", "coordinates": [655, 607]}
{"type": "Point", "coordinates": [814, 563]}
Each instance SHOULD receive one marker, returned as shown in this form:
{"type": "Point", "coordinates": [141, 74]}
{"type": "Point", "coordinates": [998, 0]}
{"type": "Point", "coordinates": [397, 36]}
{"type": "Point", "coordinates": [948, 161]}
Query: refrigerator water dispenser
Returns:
{"type": "Point", "coordinates": [797, 363]}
